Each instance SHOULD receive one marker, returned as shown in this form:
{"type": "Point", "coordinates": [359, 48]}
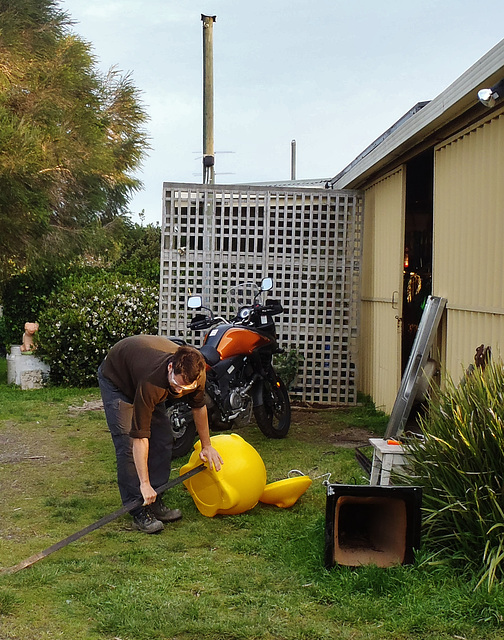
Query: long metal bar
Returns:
{"type": "Point", "coordinates": [96, 525]}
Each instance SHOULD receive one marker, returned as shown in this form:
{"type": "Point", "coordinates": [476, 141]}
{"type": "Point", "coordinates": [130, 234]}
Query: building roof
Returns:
{"type": "Point", "coordinates": [298, 184]}
{"type": "Point", "coordinates": [421, 122]}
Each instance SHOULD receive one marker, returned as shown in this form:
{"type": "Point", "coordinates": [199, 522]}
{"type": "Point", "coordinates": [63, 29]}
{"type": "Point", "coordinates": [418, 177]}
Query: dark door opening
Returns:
{"type": "Point", "coordinates": [417, 283]}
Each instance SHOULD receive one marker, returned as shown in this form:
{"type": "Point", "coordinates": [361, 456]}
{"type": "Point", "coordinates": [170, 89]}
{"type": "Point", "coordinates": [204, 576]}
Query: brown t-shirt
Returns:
{"type": "Point", "coordinates": [138, 366]}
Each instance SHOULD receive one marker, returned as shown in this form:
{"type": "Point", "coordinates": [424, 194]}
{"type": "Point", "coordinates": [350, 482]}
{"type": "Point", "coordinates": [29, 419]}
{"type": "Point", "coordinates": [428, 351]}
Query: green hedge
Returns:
{"type": "Point", "coordinates": [24, 298]}
{"type": "Point", "coordinates": [121, 247]}
{"type": "Point", "coordinates": [86, 317]}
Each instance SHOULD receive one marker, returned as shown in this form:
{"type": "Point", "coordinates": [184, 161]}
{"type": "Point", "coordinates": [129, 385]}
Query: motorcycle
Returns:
{"type": "Point", "coordinates": [240, 378]}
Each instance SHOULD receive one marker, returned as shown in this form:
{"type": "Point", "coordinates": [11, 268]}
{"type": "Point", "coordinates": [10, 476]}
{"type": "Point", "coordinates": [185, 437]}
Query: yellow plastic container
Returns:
{"type": "Point", "coordinates": [285, 493]}
{"type": "Point", "coordinates": [234, 489]}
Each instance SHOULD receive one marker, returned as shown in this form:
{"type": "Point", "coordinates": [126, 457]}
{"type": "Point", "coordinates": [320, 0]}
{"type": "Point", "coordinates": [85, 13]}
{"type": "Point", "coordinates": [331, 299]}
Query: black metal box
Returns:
{"type": "Point", "coordinates": [372, 524]}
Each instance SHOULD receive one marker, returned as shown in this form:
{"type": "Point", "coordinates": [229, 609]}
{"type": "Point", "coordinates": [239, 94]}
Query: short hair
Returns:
{"type": "Point", "coordinates": [188, 363]}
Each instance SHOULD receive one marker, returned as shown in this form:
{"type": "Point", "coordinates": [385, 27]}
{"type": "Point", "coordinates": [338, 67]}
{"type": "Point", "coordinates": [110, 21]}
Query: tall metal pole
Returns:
{"type": "Point", "coordinates": [293, 160]}
{"type": "Point", "coordinates": [208, 106]}
{"type": "Point", "coordinates": [208, 152]}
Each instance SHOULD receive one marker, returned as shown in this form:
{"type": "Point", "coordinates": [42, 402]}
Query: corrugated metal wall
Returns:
{"type": "Point", "coordinates": [469, 239]}
{"type": "Point", "coordinates": [382, 272]}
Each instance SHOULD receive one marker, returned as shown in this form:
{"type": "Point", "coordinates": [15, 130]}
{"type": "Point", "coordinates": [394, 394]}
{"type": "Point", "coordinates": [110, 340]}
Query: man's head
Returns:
{"type": "Point", "coordinates": [185, 368]}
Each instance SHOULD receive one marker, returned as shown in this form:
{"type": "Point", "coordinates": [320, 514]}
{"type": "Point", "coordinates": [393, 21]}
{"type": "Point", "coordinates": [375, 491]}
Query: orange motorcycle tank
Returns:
{"type": "Point", "coordinates": [233, 341]}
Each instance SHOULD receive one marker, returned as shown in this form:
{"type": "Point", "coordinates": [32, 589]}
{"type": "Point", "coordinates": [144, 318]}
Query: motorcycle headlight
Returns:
{"type": "Point", "coordinates": [244, 313]}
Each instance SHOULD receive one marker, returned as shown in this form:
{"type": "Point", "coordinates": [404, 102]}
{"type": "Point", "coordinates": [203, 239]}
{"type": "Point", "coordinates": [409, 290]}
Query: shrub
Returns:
{"type": "Point", "coordinates": [86, 317]}
{"type": "Point", "coordinates": [3, 336]}
{"type": "Point", "coordinates": [140, 251]}
{"type": "Point", "coordinates": [24, 297]}
{"type": "Point", "coordinates": [287, 365]}
{"type": "Point", "coordinates": [460, 463]}
{"type": "Point", "coordinates": [120, 247]}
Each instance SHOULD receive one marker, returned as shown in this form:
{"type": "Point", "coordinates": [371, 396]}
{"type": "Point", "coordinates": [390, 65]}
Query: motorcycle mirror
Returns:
{"type": "Point", "coordinates": [194, 302]}
{"type": "Point", "coordinates": [266, 284]}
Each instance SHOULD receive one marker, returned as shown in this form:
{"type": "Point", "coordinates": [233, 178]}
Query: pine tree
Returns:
{"type": "Point", "coordinates": [70, 137]}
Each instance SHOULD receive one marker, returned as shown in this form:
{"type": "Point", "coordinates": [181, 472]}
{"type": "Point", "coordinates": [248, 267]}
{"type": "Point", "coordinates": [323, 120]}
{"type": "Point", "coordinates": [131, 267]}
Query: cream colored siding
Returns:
{"type": "Point", "coordinates": [379, 354]}
{"type": "Point", "coordinates": [468, 265]}
{"type": "Point", "coordinates": [466, 330]}
{"type": "Point", "coordinates": [383, 240]}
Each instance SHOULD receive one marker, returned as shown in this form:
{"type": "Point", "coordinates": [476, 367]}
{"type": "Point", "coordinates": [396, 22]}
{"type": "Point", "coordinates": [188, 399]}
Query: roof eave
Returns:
{"type": "Point", "coordinates": [454, 101]}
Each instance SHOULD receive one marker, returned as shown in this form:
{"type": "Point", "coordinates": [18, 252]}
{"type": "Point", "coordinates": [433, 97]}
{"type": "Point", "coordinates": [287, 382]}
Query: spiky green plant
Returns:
{"type": "Point", "coordinates": [460, 463]}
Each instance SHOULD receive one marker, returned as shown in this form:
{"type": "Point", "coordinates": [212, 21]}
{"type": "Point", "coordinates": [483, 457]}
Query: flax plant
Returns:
{"type": "Point", "coordinates": [460, 463]}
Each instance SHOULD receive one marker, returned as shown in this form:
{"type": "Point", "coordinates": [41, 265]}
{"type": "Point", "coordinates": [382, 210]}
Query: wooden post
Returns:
{"type": "Point", "coordinates": [208, 106]}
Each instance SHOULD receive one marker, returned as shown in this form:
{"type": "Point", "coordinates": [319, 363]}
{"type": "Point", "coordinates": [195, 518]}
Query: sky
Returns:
{"type": "Point", "coordinates": [332, 75]}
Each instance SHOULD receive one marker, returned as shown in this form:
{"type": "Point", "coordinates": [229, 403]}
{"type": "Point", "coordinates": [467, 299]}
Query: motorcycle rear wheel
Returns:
{"type": "Point", "coordinates": [273, 417]}
{"type": "Point", "coordinates": [184, 429]}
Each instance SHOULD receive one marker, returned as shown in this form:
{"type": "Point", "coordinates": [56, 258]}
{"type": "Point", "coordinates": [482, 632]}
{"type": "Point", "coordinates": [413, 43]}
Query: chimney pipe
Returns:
{"type": "Point", "coordinates": [293, 160]}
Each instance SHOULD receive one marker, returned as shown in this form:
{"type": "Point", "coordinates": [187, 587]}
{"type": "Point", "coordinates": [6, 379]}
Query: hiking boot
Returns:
{"type": "Point", "coordinates": [146, 522]}
{"type": "Point", "coordinates": [161, 512]}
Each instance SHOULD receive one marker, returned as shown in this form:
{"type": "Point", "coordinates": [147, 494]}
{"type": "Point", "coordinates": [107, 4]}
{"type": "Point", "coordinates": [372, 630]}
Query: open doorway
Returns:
{"type": "Point", "coordinates": [418, 232]}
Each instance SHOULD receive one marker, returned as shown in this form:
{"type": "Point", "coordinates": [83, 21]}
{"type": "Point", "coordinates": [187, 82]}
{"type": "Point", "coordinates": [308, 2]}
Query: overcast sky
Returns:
{"type": "Point", "coordinates": [331, 74]}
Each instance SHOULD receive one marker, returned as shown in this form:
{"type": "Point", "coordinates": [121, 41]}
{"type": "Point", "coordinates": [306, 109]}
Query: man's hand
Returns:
{"type": "Point", "coordinates": [211, 456]}
{"type": "Point", "coordinates": [207, 453]}
{"type": "Point", "coordinates": [148, 493]}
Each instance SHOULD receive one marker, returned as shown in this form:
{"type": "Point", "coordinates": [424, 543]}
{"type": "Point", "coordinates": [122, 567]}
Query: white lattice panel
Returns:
{"type": "Point", "coordinates": [307, 240]}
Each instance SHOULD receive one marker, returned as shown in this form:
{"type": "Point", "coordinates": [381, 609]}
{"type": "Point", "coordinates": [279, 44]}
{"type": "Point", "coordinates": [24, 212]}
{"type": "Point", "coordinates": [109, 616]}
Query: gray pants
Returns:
{"type": "Point", "coordinates": [119, 413]}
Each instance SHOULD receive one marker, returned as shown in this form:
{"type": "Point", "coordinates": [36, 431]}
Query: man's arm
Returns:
{"type": "Point", "coordinates": [207, 453]}
{"type": "Point", "coordinates": [140, 455]}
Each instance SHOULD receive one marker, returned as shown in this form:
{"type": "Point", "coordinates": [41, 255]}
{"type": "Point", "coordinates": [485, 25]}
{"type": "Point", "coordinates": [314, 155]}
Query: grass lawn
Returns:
{"type": "Point", "coordinates": [259, 574]}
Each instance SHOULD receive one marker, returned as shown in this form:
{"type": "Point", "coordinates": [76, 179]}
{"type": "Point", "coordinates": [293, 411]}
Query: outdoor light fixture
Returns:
{"type": "Point", "coordinates": [488, 97]}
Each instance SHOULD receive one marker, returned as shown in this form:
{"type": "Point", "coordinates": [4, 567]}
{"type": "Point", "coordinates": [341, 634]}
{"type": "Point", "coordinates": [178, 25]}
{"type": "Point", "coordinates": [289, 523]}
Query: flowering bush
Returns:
{"type": "Point", "coordinates": [85, 318]}
{"type": "Point", "coordinates": [120, 247]}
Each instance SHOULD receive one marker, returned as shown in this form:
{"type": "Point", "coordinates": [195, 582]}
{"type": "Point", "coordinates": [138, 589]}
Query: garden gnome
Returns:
{"type": "Point", "coordinates": [30, 329]}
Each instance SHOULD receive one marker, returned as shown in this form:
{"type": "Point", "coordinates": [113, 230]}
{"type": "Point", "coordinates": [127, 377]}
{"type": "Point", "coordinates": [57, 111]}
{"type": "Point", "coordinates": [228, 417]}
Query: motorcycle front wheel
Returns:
{"type": "Point", "coordinates": [183, 427]}
{"type": "Point", "coordinates": [273, 416]}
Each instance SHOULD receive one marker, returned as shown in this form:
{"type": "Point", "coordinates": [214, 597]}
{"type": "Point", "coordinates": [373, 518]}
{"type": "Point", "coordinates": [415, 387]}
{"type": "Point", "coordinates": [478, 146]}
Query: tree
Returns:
{"type": "Point", "coordinates": [70, 137]}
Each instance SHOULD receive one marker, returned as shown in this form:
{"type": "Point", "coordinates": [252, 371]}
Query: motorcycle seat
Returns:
{"type": "Point", "coordinates": [210, 354]}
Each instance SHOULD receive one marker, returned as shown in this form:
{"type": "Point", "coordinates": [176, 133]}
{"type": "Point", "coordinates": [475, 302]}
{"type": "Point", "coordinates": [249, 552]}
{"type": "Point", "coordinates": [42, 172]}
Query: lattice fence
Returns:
{"type": "Point", "coordinates": [307, 240]}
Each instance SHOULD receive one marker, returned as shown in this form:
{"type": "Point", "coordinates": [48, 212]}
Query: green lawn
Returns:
{"type": "Point", "coordinates": [259, 574]}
